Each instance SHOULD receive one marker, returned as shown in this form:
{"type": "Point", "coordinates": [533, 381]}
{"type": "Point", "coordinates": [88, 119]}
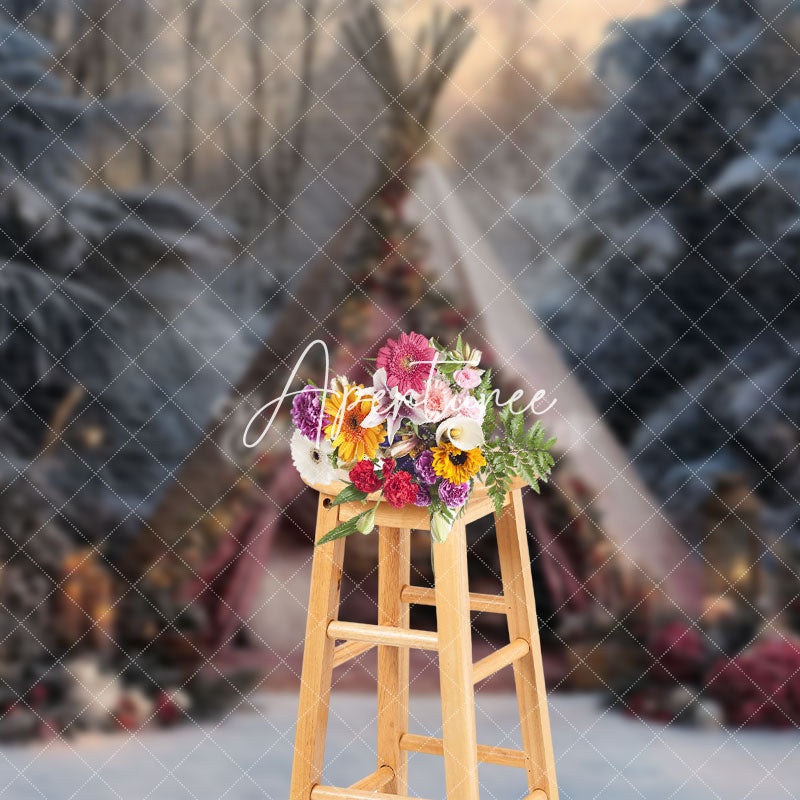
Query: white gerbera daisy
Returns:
{"type": "Point", "coordinates": [312, 462]}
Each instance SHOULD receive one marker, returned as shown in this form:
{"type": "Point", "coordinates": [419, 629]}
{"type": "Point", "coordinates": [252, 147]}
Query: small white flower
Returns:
{"type": "Point", "coordinates": [312, 462]}
{"type": "Point", "coordinates": [339, 384]}
{"type": "Point", "coordinates": [460, 431]}
{"type": "Point", "coordinates": [473, 358]}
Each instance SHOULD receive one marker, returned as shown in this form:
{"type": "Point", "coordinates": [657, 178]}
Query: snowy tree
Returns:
{"type": "Point", "coordinates": [673, 275]}
{"type": "Point", "coordinates": [117, 335]}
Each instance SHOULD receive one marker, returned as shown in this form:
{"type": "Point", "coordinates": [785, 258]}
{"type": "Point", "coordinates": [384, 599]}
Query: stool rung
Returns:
{"type": "Point", "coordinates": [512, 652]}
{"type": "Point", "coordinates": [537, 795]}
{"type": "Point", "coordinates": [348, 651]}
{"type": "Point", "coordinates": [430, 745]}
{"type": "Point", "coordinates": [421, 596]}
{"type": "Point", "coordinates": [383, 635]}
{"type": "Point", "coordinates": [332, 793]}
{"type": "Point", "coordinates": [376, 781]}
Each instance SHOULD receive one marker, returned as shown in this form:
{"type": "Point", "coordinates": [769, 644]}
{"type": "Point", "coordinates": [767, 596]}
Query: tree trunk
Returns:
{"type": "Point", "coordinates": [192, 59]}
{"type": "Point", "coordinates": [140, 34]}
{"type": "Point", "coordinates": [289, 165]}
{"type": "Point", "coordinates": [256, 131]}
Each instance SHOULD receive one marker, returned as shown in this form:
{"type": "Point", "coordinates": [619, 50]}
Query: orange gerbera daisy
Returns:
{"type": "Point", "coordinates": [347, 410]}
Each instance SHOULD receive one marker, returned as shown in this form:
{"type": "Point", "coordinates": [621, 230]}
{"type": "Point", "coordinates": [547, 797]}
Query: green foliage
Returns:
{"type": "Point", "coordinates": [438, 507]}
{"type": "Point", "coordinates": [485, 386]}
{"type": "Point", "coordinates": [450, 361]}
{"type": "Point", "coordinates": [345, 528]}
{"type": "Point", "coordinates": [448, 369]}
{"type": "Point", "coordinates": [348, 495]}
{"type": "Point", "coordinates": [511, 450]}
{"type": "Point", "coordinates": [443, 518]}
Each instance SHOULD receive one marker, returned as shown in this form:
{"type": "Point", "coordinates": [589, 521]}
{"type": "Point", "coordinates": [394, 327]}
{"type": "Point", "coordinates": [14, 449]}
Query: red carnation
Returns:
{"type": "Point", "coordinates": [388, 466]}
{"type": "Point", "coordinates": [399, 489]}
{"type": "Point", "coordinates": [364, 478]}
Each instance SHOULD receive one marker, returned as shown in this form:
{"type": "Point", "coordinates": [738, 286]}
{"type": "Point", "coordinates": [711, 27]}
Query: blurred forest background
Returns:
{"type": "Point", "coordinates": [191, 190]}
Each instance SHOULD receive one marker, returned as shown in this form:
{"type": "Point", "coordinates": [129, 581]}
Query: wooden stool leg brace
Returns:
{"type": "Point", "coordinates": [458, 674]}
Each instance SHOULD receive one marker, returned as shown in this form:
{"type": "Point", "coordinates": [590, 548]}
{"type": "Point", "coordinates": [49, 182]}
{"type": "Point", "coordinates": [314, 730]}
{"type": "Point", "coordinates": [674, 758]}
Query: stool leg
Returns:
{"type": "Point", "coordinates": [394, 572]}
{"type": "Point", "coordinates": [315, 683]}
{"type": "Point", "coordinates": [455, 666]}
{"type": "Point", "coordinates": [515, 566]}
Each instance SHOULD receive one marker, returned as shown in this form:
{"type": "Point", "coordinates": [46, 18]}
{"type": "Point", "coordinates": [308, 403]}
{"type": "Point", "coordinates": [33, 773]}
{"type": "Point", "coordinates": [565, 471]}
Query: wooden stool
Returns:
{"type": "Point", "coordinates": [453, 642]}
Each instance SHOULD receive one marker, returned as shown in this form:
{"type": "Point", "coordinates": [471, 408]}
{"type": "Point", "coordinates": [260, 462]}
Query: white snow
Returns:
{"type": "Point", "coordinates": [600, 755]}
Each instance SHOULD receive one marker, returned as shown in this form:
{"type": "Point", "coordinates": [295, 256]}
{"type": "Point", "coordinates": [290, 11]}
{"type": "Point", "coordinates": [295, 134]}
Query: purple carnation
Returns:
{"type": "Point", "coordinates": [306, 412]}
{"type": "Point", "coordinates": [423, 496]}
{"type": "Point", "coordinates": [454, 495]}
{"type": "Point", "coordinates": [423, 466]}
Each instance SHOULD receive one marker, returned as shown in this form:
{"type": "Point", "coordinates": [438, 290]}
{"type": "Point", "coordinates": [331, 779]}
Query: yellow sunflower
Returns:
{"type": "Point", "coordinates": [456, 466]}
{"type": "Point", "coordinates": [347, 409]}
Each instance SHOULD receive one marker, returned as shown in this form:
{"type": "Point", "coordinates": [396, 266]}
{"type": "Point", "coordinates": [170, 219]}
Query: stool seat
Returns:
{"type": "Point", "coordinates": [411, 517]}
{"type": "Point", "coordinates": [393, 637]}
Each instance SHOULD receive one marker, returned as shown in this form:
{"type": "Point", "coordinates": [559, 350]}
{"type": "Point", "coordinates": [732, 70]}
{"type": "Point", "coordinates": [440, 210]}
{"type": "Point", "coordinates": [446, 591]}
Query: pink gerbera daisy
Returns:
{"type": "Point", "coordinates": [408, 362]}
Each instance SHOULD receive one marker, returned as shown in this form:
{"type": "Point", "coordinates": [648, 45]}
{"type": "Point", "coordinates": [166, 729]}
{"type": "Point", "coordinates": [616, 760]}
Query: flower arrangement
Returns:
{"type": "Point", "coordinates": [428, 428]}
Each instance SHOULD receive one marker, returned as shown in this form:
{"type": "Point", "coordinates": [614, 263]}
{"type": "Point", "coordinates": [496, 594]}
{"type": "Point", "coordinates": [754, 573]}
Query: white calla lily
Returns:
{"type": "Point", "coordinates": [463, 432]}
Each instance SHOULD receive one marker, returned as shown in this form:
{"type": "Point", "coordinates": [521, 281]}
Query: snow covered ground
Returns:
{"type": "Point", "coordinates": [600, 756]}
